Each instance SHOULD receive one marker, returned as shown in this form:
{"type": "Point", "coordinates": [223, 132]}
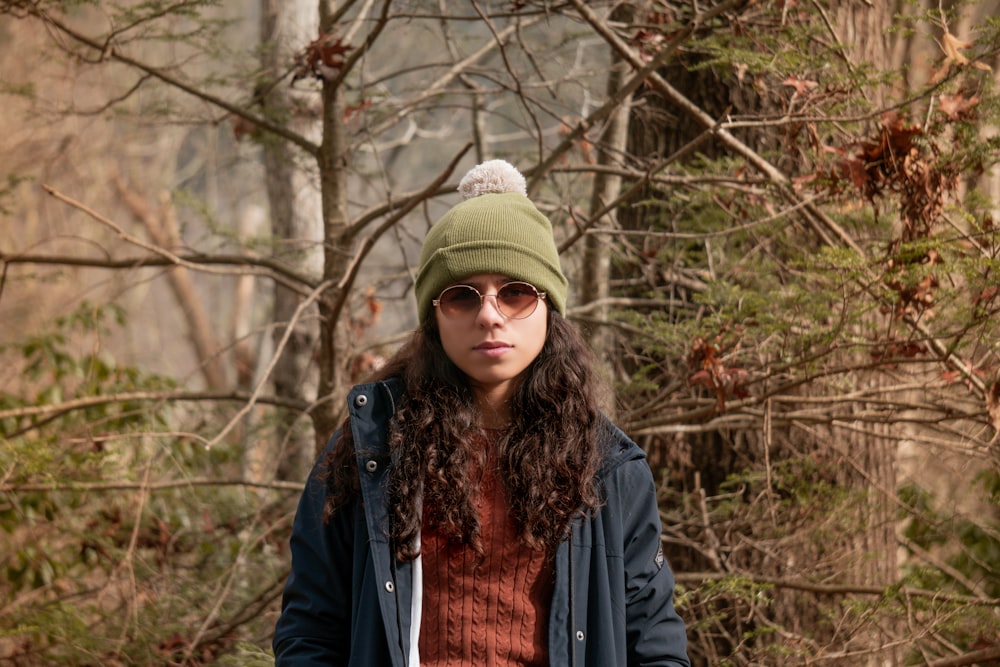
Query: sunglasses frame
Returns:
{"type": "Point", "coordinates": [539, 296]}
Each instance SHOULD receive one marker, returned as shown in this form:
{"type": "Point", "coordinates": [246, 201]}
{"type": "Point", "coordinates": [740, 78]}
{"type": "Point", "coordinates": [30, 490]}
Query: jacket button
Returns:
{"type": "Point", "coordinates": [579, 635]}
{"type": "Point", "coordinates": [360, 401]}
{"type": "Point", "coordinates": [389, 586]}
{"type": "Point", "coordinates": [371, 465]}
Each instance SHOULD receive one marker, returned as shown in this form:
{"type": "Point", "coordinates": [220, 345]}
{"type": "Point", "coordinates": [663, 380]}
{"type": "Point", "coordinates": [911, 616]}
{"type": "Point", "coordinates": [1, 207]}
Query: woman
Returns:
{"type": "Point", "coordinates": [476, 508]}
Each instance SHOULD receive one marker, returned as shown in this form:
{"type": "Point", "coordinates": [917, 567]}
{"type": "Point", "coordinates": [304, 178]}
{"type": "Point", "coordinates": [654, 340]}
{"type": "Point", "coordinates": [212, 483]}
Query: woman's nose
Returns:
{"type": "Point", "coordinates": [489, 312]}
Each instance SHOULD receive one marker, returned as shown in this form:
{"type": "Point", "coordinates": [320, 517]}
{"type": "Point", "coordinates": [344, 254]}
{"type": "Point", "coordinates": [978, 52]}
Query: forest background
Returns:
{"type": "Point", "coordinates": [779, 220]}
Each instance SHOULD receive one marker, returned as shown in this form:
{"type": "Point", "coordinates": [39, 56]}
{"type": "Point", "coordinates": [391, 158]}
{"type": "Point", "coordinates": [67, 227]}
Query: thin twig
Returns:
{"type": "Point", "coordinates": [110, 487]}
{"type": "Point", "coordinates": [835, 589]}
{"type": "Point", "coordinates": [169, 256]}
{"type": "Point", "coordinates": [129, 396]}
{"type": "Point", "coordinates": [266, 375]}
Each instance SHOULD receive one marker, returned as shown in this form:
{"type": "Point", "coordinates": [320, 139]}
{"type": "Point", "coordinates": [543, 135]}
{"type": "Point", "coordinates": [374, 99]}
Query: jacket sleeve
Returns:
{"type": "Point", "coordinates": [314, 627]}
{"type": "Point", "coordinates": [655, 633]}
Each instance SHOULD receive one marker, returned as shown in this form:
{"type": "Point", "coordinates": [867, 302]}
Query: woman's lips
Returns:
{"type": "Point", "coordinates": [493, 348]}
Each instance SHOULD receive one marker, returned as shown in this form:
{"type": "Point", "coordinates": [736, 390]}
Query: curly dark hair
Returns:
{"type": "Point", "coordinates": [547, 459]}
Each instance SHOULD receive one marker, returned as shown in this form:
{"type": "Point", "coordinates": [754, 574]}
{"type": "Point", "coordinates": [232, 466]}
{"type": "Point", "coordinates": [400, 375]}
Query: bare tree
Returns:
{"type": "Point", "coordinates": [754, 245]}
{"type": "Point", "coordinates": [285, 26]}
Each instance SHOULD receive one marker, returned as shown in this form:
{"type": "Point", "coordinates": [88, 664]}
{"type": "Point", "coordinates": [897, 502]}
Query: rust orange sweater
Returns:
{"type": "Point", "coordinates": [494, 612]}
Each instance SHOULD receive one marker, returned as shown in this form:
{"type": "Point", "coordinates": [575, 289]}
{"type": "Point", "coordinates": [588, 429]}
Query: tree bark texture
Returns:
{"type": "Point", "coordinates": [596, 274]}
{"type": "Point", "coordinates": [282, 24]}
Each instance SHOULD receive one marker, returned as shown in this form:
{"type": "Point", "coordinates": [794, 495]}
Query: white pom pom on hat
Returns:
{"type": "Point", "coordinates": [495, 229]}
{"type": "Point", "coordinates": [492, 177]}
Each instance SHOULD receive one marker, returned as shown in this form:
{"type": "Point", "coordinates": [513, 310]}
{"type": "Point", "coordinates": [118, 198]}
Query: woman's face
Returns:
{"type": "Point", "coordinates": [493, 350]}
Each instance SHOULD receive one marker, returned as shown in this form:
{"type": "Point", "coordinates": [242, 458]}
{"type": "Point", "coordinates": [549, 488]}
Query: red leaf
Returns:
{"type": "Point", "coordinates": [322, 59]}
{"type": "Point", "coordinates": [854, 171]}
{"type": "Point", "coordinates": [986, 296]}
{"type": "Point", "coordinates": [374, 305]}
{"type": "Point", "coordinates": [950, 377]}
{"type": "Point", "coordinates": [243, 128]}
{"type": "Point", "coordinates": [353, 109]}
{"type": "Point", "coordinates": [702, 379]}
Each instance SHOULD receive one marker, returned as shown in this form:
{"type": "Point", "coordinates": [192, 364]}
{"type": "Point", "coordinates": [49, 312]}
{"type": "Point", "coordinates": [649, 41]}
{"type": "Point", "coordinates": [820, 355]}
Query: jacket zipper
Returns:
{"type": "Point", "coordinates": [572, 604]}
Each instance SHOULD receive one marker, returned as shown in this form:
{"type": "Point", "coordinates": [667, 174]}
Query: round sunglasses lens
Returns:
{"type": "Point", "coordinates": [517, 300]}
{"type": "Point", "coordinates": [459, 300]}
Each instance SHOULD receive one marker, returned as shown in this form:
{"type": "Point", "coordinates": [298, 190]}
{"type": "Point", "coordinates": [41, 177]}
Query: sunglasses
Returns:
{"type": "Point", "coordinates": [515, 301]}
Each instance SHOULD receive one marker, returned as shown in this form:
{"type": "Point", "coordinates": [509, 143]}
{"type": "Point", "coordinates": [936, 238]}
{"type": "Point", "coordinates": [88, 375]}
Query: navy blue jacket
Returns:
{"type": "Point", "coordinates": [347, 599]}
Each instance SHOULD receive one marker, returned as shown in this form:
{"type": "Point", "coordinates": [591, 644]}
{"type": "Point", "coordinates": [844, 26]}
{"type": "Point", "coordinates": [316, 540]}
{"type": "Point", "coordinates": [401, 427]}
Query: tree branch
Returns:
{"type": "Point", "coordinates": [405, 204]}
{"type": "Point", "coordinates": [643, 72]}
{"type": "Point", "coordinates": [352, 270]}
{"type": "Point", "coordinates": [834, 589]}
{"type": "Point", "coordinates": [438, 86]}
{"type": "Point", "coordinates": [981, 657]}
{"type": "Point", "coordinates": [297, 282]}
{"type": "Point", "coordinates": [64, 407]}
{"type": "Point", "coordinates": [162, 229]}
{"type": "Point", "coordinates": [107, 487]}
{"type": "Point", "coordinates": [108, 51]}
{"type": "Point", "coordinates": [266, 375]}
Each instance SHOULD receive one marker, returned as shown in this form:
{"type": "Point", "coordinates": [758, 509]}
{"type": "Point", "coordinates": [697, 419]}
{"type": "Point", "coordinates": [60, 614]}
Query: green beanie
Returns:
{"type": "Point", "coordinates": [495, 230]}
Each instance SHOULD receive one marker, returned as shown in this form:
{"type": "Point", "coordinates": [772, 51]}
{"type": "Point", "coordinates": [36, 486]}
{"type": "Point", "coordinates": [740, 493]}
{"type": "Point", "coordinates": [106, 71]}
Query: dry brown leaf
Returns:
{"type": "Point", "coordinates": [801, 86]}
{"type": "Point", "coordinates": [953, 47]}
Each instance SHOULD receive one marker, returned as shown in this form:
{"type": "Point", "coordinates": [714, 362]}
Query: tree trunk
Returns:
{"type": "Point", "coordinates": [596, 270]}
{"type": "Point", "coordinates": [336, 259]}
{"type": "Point", "coordinates": [860, 459]}
{"type": "Point", "coordinates": [284, 26]}
{"type": "Point", "coordinates": [860, 29]}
